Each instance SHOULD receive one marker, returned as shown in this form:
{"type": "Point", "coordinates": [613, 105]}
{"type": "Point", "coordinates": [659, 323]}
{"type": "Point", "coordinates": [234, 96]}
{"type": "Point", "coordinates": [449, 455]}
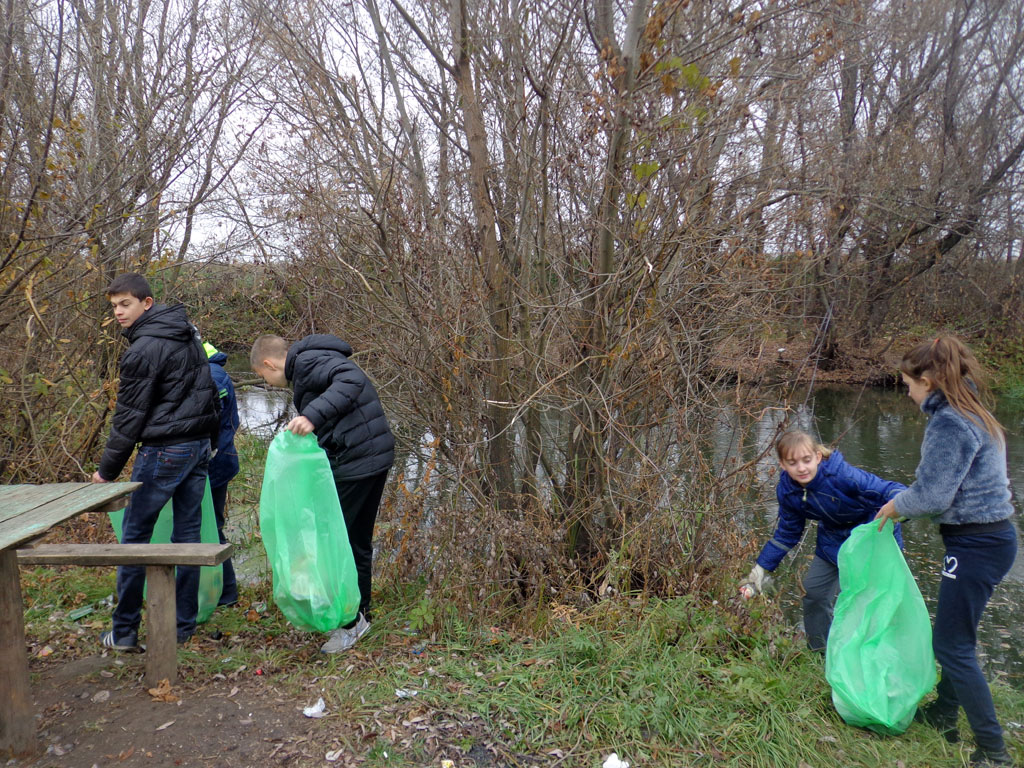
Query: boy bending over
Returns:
{"type": "Point", "coordinates": [339, 403]}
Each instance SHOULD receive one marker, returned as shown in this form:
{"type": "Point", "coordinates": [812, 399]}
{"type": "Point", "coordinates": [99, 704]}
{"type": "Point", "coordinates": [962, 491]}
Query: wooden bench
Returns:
{"type": "Point", "coordinates": [160, 561]}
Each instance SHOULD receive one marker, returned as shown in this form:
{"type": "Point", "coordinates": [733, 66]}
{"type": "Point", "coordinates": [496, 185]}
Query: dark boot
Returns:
{"type": "Point", "coordinates": [987, 758]}
{"type": "Point", "coordinates": [943, 722]}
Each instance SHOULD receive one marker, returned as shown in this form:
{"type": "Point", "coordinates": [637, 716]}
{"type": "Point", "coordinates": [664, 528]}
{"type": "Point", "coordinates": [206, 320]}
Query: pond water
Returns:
{"type": "Point", "coordinates": [877, 430]}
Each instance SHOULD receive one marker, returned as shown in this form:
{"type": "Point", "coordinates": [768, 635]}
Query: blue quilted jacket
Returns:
{"type": "Point", "coordinates": [840, 497]}
{"type": "Point", "coordinates": [962, 475]}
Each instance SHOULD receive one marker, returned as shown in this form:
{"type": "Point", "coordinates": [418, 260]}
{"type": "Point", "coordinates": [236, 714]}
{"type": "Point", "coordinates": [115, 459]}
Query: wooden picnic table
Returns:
{"type": "Point", "coordinates": [26, 513]}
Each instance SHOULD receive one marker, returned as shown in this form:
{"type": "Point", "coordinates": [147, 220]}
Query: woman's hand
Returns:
{"type": "Point", "coordinates": [887, 512]}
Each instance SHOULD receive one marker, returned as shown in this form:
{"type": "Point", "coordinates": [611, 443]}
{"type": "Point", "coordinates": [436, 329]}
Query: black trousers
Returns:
{"type": "Point", "coordinates": [360, 500]}
{"type": "Point", "coordinates": [971, 569]}
{"type": "Point", "coordinates": [229, 595]}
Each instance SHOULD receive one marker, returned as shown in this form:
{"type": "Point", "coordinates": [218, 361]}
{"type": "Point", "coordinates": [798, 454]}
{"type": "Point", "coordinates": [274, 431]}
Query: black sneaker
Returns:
{"type": "Point", "coordinates": [129, 642]}
{"type": "Point", "coordinates": [986, 758]}
{"type": "Point", "coordinates": [943, 722]}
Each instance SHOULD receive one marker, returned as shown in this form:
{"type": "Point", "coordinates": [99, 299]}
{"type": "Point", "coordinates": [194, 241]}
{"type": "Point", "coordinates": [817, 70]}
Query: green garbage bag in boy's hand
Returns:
{"type": "Point", "coordinates": [211, 578]}
{"type": "Point", "coordinates": [879, 658]}
{"type": "Point", "coordinates": [313, 569]}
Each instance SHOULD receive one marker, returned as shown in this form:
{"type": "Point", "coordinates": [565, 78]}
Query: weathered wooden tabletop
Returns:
{"type": "Point", "coordinates": [28, 511]}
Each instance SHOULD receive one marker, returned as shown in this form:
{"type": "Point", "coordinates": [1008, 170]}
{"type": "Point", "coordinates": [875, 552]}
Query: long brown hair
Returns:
{"type": "Point", "coordinates": [950, 366]}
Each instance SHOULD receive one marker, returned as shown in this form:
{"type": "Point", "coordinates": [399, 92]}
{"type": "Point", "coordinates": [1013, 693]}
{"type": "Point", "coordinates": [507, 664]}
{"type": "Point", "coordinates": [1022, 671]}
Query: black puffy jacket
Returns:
{"type": "Point", "coordinates": [342, 403]}
{"type": "Point", "coordinates": [166, 394]}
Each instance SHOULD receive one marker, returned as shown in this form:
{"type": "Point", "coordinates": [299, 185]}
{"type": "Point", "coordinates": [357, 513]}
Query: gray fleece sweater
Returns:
{"type": "Point", "coordinates": [962, 474]}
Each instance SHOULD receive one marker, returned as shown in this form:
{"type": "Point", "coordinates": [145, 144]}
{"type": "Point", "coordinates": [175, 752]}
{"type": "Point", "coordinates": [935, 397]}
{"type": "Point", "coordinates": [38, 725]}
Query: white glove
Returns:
{"type": "Point", "coordinates": [755, 582]}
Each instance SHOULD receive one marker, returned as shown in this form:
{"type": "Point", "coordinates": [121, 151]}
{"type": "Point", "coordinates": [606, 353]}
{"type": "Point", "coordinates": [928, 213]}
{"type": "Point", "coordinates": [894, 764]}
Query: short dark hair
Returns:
{"type": "Point", "coordinates": [130, 282]}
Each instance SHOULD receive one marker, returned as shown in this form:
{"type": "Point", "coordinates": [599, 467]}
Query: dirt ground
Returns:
{"type": "Point", "coordinates": [95, 712]}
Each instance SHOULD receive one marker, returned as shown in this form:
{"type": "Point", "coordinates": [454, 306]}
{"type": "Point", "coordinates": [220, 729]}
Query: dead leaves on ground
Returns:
{"type": "Point", "coordinates": [162, 692]}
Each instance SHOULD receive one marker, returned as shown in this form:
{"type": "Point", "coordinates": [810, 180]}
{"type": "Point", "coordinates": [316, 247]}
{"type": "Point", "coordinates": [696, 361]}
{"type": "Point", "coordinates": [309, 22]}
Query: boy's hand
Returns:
{"type": "Point", "coordinates": [300, 426]}
{"type": "Point", "coordinates": [96, 478]}
{"type": "Point", "coordinates": [887, 512]}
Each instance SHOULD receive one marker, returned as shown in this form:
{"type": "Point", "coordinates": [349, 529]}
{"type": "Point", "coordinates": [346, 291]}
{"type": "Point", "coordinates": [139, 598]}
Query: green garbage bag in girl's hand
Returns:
{"type": "Point", "coordinates": [879, 658]}
{"type": "Point", "coordinates": [303, 529]}
{"type": "Point", "coordinates": [211, 578]}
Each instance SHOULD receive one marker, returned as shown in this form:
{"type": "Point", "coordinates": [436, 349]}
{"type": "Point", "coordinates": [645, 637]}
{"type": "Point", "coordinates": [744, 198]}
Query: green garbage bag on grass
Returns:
{"type": "Point", "coordinates": [304, 532]}
{"type": "Point", "coordinates": [879, 658]}
{"type": "Point", "coordinates": [211, 578]}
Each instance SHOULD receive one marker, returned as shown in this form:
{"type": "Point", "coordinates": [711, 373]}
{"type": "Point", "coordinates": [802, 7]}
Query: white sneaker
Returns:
{"type": "Point", "coordinates": [342, 639]}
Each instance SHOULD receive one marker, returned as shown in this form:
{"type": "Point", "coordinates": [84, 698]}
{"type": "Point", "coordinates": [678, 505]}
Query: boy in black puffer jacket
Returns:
{"type": "Point", "coordinates": [339, 403]}
{"type": "Point", "coordinates": [167, 402]}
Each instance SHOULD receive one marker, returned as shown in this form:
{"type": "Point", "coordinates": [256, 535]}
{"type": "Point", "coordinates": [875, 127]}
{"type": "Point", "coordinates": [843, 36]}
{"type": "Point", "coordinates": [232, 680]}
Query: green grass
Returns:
{"type": "Point", "coordinates": [665, 683]}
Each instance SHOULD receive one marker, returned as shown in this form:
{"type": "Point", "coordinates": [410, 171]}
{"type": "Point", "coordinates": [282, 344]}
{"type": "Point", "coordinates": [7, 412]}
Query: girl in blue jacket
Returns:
{"type": "Point", "coordinates": [818, 484]}
{"type": "Point", "coordinates": [962, 484]}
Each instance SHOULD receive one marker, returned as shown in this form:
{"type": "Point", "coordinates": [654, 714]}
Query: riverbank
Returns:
{"type": "Point", "coordinates": [780, 361]}
{"type": "Point", "coordinates": [666, 683]}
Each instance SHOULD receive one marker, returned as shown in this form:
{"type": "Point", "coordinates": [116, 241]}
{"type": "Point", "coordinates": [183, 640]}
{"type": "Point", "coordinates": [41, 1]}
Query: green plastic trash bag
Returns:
{"type": "Point", "coordinates": [879, 658]}
{"type": "Point", "coordinates": [211, 578]}
{"type": "Point", "coordinates": [313, 569]}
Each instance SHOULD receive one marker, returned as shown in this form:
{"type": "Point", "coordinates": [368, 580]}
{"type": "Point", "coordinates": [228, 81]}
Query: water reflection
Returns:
{"type": "Point", "coordinates": [263, 411]}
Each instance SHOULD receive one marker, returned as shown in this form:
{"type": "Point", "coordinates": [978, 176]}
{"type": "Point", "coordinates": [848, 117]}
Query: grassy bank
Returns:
{"type": "Point", "coordinates": [691, 681]}
{"type": "Point", "coordinates": [663, 683]}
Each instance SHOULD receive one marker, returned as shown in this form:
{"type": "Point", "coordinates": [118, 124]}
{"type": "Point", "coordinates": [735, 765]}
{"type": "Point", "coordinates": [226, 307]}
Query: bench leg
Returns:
{"type": "Point", "coordinates": [161, 625]}
{"type": "Point", "coordinates": [17, 726]}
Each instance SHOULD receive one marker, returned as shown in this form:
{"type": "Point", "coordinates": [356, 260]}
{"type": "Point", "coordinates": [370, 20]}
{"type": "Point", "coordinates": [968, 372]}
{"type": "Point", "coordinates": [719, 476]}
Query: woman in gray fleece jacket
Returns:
{"type": "Point", "coordinates": [961, 483]}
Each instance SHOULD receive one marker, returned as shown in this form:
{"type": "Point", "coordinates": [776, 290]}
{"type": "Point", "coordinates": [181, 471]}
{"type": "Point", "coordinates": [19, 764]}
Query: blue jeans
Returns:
{"type": "Point", "coordinates": [166, 472]}
{"type": "Point", "coordinates": [973, 566]}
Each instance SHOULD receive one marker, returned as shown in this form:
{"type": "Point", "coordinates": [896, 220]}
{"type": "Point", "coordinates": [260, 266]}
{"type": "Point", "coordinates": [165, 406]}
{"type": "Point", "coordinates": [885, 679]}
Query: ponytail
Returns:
{"type": "Point", "coordinates": [951, 367]}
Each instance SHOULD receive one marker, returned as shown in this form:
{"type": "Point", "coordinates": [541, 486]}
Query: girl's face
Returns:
{"type": "Point", "coordinates": [802, 464]}
{"type": "Point", "coordinates": [918, 389]}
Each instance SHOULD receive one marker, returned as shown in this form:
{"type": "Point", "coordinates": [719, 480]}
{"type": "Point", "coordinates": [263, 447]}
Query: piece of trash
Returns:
{"type": "Point", "coordinates": [333, 756]}
{"type": "Point", "coordinates": [259, 670]}
{"type": "Point", "coordinates": [168, 724]}
{"type": "Point", "coordinates": [44, 652]}
{"type": "Point", "coordinates": [316, 710]}
{"type": "Point", "coordinates": [402, 693]}
{"type": "Point", "coordinates": [162, 692]}
{"type": "Point", "coordinates": [79, 613]}
{"type": "Point", "coordinates": [246, 721]}
{"type": "Point", "coordinates": [100, 696]}
{"type": "Point", "coordinates": [613, 761]}
{"type": "Point", "coordinates": [447, 764]}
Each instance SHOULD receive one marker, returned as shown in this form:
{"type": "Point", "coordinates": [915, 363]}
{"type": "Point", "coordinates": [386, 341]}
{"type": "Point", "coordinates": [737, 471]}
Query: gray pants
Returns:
{"type": "Point", "coordinates": [821, 585]}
